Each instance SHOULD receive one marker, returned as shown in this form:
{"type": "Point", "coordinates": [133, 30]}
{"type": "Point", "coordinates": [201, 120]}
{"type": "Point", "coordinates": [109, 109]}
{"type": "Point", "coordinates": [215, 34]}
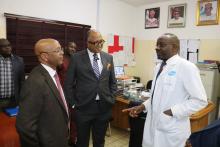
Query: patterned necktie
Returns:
{"type": "Point", "coordinates": [59, 88]}
{"type": "Point", "coordinates": [95, 65]}
{"type": "Point", "coordinates": [160, 70]}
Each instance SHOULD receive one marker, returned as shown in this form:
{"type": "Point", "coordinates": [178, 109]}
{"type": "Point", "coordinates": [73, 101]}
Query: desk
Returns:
{"type": "Point", "coordinates": [198, 120]}
{"type": "Point", "coordinates": [8, 133]}
{"type": "Point", "coordinates": [120, 119]}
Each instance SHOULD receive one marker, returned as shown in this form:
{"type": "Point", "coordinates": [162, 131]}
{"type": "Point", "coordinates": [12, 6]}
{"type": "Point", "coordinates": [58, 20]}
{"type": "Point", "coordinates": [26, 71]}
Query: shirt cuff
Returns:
{"type": "Point", "coordinates": [146, 104]}
{"type": "Point", "coordinates": [175, 111]}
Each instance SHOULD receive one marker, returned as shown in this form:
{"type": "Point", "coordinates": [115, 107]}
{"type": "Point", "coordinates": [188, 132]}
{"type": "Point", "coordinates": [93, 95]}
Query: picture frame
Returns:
{"type": "Point", "coordinates": [207, 12]}
{"type": "Point", "coordinates": [152, 18]}
{"type": "Point", "coordinates": [176, 16]}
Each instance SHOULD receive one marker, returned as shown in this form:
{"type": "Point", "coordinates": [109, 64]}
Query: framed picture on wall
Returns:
{"type": "Point", "coordinates": [176, 16]}
{"type": "Point", "coordinates": [207, 12]}
{"type": "Point", "coordinates": [152, 18]}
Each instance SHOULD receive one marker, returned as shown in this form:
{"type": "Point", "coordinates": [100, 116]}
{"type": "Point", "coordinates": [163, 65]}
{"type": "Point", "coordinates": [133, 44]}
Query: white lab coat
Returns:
{"type": "Point", "coordinates": [180, 89]}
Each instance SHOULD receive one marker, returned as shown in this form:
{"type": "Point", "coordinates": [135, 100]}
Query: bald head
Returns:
{"type": "Point", "coordinates": [173, 39]}
{"type": "Point", "coordinates": [95, 41]}
{"type": "Point", "coordinates": [49, 52]}
{"type": "Point", "coordinates": [45, 45]}
{"type": "Point", "coordinates": [167, 46]}
{"type": "Point", "coordinates": [93, 34]}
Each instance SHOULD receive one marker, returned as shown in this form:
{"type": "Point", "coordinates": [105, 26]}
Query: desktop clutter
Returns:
{"type": "Point", "coordinates": [130, 87]}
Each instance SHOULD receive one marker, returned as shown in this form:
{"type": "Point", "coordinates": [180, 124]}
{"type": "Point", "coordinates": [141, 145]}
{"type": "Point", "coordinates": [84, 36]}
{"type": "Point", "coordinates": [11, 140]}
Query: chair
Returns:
{"type": "Point", "coordinates": [208, 137]}
{"type": "Point", "coordinates": [149, 84]}
{"type": "Point", "coordinates": [217, 109]}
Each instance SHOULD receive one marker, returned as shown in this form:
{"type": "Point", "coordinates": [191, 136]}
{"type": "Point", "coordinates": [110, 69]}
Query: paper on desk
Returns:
{"type": "Point", "coordinates": [145, 94]}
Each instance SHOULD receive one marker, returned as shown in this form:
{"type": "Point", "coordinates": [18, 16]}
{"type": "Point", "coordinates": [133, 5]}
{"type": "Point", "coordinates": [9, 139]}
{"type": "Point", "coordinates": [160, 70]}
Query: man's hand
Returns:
{"type": "Point", "coordinates": [168, 112]}
{"type": "Point", "coordinates": [134, 111]}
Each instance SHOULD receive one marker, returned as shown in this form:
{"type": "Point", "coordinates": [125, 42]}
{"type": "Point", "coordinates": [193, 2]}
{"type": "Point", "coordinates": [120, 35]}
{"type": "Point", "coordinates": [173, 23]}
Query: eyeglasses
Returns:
{"type": "Point", "coordinates": [57, 50]}
{"type": "Point", "coordinates": [96, 43]}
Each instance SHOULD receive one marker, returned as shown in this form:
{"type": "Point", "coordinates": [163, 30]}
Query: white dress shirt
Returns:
{"type": "Point", "coordinates": [52, 73]}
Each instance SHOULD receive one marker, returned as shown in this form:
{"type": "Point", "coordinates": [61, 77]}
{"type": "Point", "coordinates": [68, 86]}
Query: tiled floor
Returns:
{"type": "Point", "coordinates": [118, 138]}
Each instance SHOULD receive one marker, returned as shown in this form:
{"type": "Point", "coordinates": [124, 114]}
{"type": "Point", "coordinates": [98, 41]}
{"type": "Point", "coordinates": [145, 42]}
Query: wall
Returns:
{"type": "Point", "coordinates": [108, 16]}
{"type": "Point", "coordinates": [116, 17]}
{"type": "Point", "coordinates": [190, 31]}
{"type": "Point", "coordinates": [146, 38]}
{"type": "Point", "coordinates": [76, 11]}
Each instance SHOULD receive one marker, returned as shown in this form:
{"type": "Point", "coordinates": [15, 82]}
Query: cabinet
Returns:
{"type": "Point", "coordinates": [120, 119]}
{"type": "Point", "coordinates": [211, 80]}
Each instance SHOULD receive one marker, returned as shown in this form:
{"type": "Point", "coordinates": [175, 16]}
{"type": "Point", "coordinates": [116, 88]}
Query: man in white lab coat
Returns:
{"type": "Point", "coordinates": [177, 93]}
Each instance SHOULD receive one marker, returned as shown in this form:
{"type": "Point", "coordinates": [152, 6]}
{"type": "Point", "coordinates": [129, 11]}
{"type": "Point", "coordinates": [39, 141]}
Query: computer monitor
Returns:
{"type": "Point", "coordinates": [119, 71]}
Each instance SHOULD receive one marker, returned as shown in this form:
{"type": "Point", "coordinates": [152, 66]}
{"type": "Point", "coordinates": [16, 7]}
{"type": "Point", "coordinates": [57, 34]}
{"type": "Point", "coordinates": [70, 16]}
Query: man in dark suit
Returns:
{"type": "Point", "coordinates": [90, 86]}
{"type": "Point", "coordinates": [43, 116]}
{"type": "Point", "coordinates": [11, 75]}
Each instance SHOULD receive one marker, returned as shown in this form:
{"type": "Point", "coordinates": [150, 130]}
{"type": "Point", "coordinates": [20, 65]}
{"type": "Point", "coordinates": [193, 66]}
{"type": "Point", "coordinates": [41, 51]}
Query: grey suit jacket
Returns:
{"type": "Point", "coordinates": [82, 85]}
{"type": "Point", "coordinates": [18, 74]}
{"type": "Point", "coordinates": [42, 120]}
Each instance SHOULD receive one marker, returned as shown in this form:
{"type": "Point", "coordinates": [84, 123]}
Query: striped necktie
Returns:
{"type": "Point", "coordinates": [95, 65]}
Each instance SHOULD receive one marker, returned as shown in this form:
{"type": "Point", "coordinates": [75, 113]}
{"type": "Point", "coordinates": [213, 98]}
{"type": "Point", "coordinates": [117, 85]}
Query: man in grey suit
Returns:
{"type": "Point", "coordinates": [43, 116]}
{"type": "Point", "coordinates": [90, 86]}
{"type": "Point", "coordinates": [11, 75]}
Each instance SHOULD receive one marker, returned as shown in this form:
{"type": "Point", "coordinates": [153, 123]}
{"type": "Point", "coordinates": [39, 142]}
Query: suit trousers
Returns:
{"type": "Point", "coordinates": [95, 121]}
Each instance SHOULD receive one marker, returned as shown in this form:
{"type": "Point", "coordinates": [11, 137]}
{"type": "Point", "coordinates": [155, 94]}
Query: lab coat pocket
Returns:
{"type": "Point", "coordinates": [166, 123]}
{"type": "Point", "coordinates": [170, 81]}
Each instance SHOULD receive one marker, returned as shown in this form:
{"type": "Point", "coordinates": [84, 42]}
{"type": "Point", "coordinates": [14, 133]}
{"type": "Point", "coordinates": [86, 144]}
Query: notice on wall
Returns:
{"type": "Point", "coordinates": [189, 49]}
{"type": "Point", "coordinates": [122, 49]}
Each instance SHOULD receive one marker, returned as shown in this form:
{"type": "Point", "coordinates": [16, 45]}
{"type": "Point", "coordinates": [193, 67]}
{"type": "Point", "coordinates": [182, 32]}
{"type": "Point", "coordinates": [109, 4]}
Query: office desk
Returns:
{"type": "Point", "coordinates": [8, 133]}
{"type": "Point", "coordinates": [198, 120]}
{"type": "Point", "coordinates": [120, 119]}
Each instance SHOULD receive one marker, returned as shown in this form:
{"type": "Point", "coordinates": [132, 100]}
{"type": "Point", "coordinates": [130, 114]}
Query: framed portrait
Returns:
{"type": "Point", "coordinates": [176, 16]}
{"type": "Point", "coordinates": [152, 18]}
{"type": "Point", "coordinates": [207, 12]}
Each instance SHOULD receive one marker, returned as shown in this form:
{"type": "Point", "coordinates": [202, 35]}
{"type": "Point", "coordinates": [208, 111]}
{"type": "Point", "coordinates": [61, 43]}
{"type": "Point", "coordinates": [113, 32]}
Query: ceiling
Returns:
{"type": "Point", "coordinates": [142, 2]}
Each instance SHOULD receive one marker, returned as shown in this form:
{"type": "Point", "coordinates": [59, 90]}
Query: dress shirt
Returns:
{"type": "Point", "coordinates": [6, 78]}
{"type": "Point", "coordinates": [52, 73]}
{"type": "Point", "coordinates": [99, 61]}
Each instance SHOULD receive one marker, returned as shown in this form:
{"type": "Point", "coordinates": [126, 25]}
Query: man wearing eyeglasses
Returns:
{"type": "Point", "coordinates": [43, 118]}
{"type": "Point", "coordinates": [11, 75]}
{"type": "Point", "coordinates": [90, 86]}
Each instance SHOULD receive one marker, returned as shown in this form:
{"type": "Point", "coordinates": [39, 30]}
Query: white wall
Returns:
{"type": "Point", "coordinates": [117, 17]}
{"type": "Point", "coordinates": [109, 16]}
{"type": "Point", "coordinates": [76, 11]}
{"type": "Point", "coordinates": [191, 31]}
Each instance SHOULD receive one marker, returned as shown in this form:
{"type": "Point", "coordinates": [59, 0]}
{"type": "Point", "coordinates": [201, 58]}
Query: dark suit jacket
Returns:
{"type": "Point", "coordinates": [82, 85]}
{"type": "Point", "coordinates": [18, 74]}
{"type": "Point", "coordinates": [42, 120]}
{"type": "Point", "coordinates": [208, 137]}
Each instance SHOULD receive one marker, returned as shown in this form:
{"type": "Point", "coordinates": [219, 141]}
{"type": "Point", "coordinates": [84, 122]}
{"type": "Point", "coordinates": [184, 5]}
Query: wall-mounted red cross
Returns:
{"type": "Point", "coordinates": [115, 47]}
